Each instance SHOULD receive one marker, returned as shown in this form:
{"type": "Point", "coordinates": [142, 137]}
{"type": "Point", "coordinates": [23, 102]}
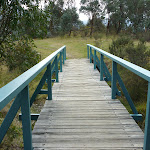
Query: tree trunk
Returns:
{"type": "Point", "coordinates": [119, 27]}
{"type": "Point", "coordinates": [51, 26]}
{"type": "Point", "coordinates": [92, 23]}
{"type": "Point", "coordinates": [70, 32]}
{"type": "Point", "coordinates": [108, 25]}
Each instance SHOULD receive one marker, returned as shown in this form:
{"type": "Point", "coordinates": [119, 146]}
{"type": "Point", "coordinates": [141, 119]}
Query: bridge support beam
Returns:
{"type": "Point", "coordinates": [33, 116]}
{"type": "Point", "coordinates": [49, 82]}
{"type": "Point", "coordinates": [114, 80]}
{"type": "Point", "coordinates": [90, 55]}
{"type": "Point", "coordinates": [88, 52]}
{"type": "Point", "coordinates": [56, 69]}
{"type": "Point", "coordinates": [60, 61]}
{"type": "Point", "coordinates": [94, 59]}
{"type": "Point", "coordinates": [101, 67]}
{"type": "Point", "coordinates": [63, 56]}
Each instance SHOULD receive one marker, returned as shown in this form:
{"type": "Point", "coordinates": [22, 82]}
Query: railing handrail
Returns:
{"type": "Point", "coordinates": [143, 73]}
{"type": "Point", "coordinates": [13, 88]}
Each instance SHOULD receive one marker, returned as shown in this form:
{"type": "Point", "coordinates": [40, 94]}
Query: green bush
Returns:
{"type": "Point", "coordinates": [137, 54]}
{"type": "Point", "coordinates": [21, 54]}
{"type": "Point", "coordinates": [84, 31]}
{"type": "Point", "coordinates": [118, 47]}
{"type": "Point", "coordinates": [97, 39]}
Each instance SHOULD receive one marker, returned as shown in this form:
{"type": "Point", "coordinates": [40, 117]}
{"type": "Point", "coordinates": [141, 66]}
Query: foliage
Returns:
{"type": "Point", "coordinates": [13, 14]}
{"type": "Point", "coordinates": [84, 31]}
{"type": "Point", "coordinates": [118, 47]}
{"type": "Point", "coordinates": [98, 39]}
{"type": "Point", "coordinates": [34, 22]}
{"type": "Point", "coordinates": [69, 21]}
{"type": "Point", "coordinates": [137, 54]}
{"type": "Point", "coordinates": [116, 11]}
{"type": "Point", "coordinates": [21, 54]}
{"type": "Point", "coordinates": [91, 8]}
{"type": "Point", "coordinates": [124, 47]}
{"type": "Point", "coordinates": [18, 18]}
{"type": "Point", "coordinates": [122, 15]}
{"type": "Point", "coordinates": [53, 12]}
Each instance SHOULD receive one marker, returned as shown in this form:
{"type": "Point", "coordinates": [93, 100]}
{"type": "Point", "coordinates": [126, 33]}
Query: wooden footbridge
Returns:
{"type": "Point", "coordinates": [81, 111]}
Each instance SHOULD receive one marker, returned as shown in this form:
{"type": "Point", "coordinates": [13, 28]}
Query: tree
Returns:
{"type": "Point", "coordinates": [116, 12]}
{"type": "Point", "coordinates": [122, 15]}
{"type": "Point", "coordinates": [136, 14]}
{"type": "Point", "coordinates": [69, 20]}
{"type": "Point", "coordinates": [53, 12]}
{"type": "Point", "coordinates": [34, 22]}
{"type": "Point", "coordinates": [91, 8]}
{"type": "Point", "coordinates": [70, 4]}
{"type": "Point", "coordinates": [12, 13]}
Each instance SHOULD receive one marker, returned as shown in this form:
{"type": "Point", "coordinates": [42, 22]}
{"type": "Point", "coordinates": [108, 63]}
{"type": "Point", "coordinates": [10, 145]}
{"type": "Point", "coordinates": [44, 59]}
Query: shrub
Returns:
{"type": "Point", "coordinates": [84, 31]}
{"type": "Point", "coordinates": [21, 54]}
{"type": "Point", "coordinates": [137, 54]}
{"type": "Point", "coordinates": [97, 39]}
{"type": "Point", "coordinates": [118, 47]}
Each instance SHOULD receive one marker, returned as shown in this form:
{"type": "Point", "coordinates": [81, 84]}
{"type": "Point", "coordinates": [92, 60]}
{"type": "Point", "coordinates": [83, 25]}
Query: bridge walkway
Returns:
{"type": "Point", "coordinates": [82, 115]}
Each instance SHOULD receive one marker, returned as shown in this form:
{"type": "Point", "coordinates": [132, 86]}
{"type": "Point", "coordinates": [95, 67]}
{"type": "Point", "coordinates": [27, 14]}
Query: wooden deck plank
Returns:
{"type": "Point", "coordinates": [82, 115]}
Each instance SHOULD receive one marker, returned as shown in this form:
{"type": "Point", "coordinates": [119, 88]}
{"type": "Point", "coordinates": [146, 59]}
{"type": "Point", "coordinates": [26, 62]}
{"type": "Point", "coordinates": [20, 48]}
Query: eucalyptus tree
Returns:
{"type": "Point", "coordinates": [70, 4]}
{"type": "Point", "coordinates": [12, 14]}
{"type": "Point", "coordinates": [91, 8]}
{"type": "Point", "coordinates": [124, 14]}
{"type": "Point", "coordinates": [34, 22]}
{"type": "Point", "coordinates": [116, 11]}
{"type": "Point", "coordinates": [69, 21]}
{"type": "Point", "coordinates": [54, 11]}
{"type": "Point", "coordinates": [139, 14]}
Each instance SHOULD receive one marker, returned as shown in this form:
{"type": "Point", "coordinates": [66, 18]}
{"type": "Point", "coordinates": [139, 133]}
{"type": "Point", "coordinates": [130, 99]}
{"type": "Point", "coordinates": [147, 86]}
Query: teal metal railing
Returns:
{"type": "Point", "coordinates": [105, 75]}
{"type": "Point", "coordinates": [19, 89]}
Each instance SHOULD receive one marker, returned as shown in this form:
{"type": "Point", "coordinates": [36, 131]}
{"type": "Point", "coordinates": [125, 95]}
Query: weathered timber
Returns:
{"type": "Point", "coordinates": [82, 115]}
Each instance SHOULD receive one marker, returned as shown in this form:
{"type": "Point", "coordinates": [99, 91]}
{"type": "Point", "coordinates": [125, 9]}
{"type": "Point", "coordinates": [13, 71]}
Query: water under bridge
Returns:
{"type": "Point", "coordinates": [81, 111]}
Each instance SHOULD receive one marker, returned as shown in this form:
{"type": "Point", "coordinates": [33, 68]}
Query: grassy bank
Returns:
{"type": "Point", "coordinates": [76, 48]}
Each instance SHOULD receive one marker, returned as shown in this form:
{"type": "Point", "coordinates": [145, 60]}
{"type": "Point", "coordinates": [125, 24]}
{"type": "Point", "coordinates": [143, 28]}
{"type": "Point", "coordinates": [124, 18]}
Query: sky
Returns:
{"type": "Point", "coordinates": [82, 16]}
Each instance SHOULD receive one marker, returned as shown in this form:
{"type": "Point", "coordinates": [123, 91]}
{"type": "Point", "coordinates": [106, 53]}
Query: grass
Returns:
{"type": "Point", "coordinates": [76, 48]}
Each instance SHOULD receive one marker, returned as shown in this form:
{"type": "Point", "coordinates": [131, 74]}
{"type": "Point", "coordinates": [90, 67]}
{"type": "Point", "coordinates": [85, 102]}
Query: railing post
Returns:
{"type": "Point", "coordinates": [26, 119]}
{"type": "Point", "coordinates": [147, 122]}
{"type": "Point", "coordinates": [60, 61]}
{"type": "Point", "coordinates": [56, 69]}
{"type": "Point", "coordinates": [65, 53]}
{"type": "Point", "coordinates": [90, 55]}
{"type": "Point", "coordinates": [87, 51]}
{"type": "Point", "coordinates": [114, 80]}
{"type": "Point", "coordinates": [49, 82]}
{"type": "Point", "coordinates": [101, 67]}
{"type": "Point", "coordinates": [64, 56]}
{"type": "Point", "coordinates": [94, 59]}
